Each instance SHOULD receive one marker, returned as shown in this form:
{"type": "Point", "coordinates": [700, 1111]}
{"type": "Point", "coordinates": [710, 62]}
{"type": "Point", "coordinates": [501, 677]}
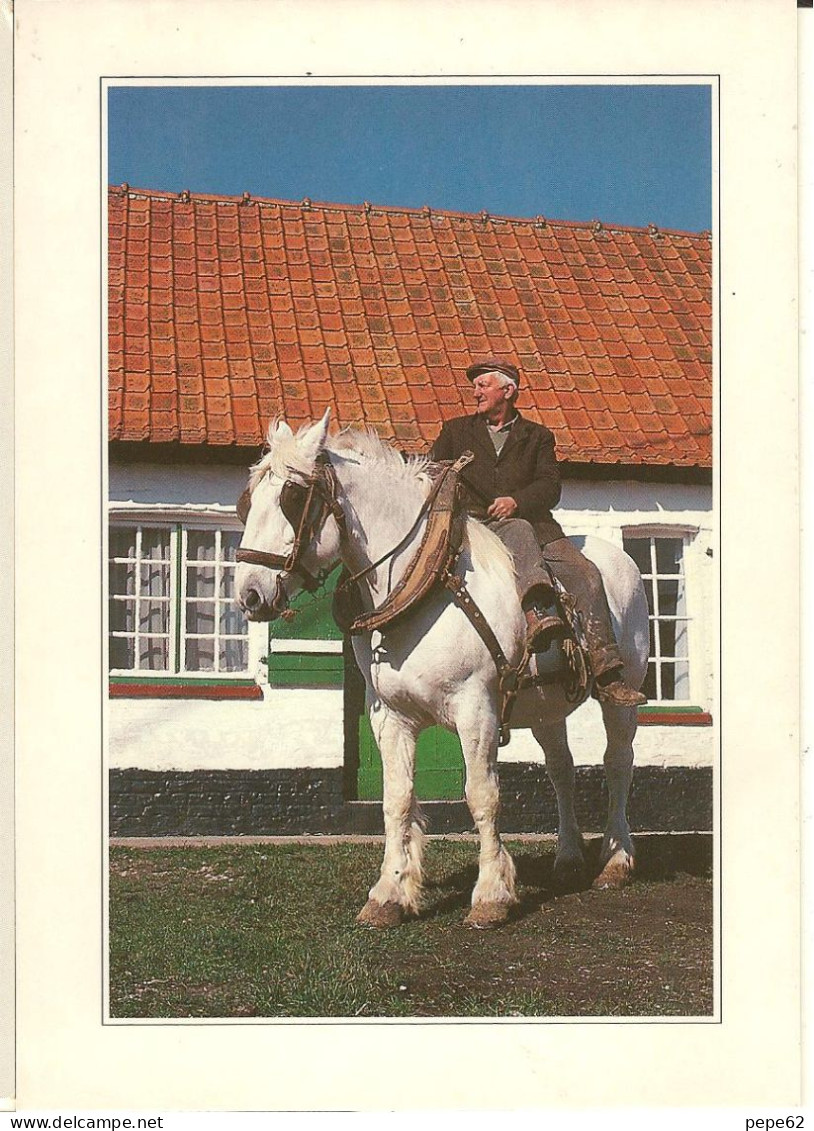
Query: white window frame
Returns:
{"type": "Point", "coordinates": [179, 521]}
{"type": "Point", "coordinates": [686, 534]}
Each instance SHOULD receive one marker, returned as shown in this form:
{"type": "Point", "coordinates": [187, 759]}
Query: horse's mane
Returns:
{"type": "Point", "coordinates": [369, 445]}
{"type": "Point", "coordinates": [285, 455]}
{"type": "Point", "coordinates": [487, 550]}
{"type": "Point", "coordinates": [484, 545]}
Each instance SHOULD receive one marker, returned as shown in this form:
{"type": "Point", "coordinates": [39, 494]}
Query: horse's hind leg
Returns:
{"type": "Point", "coordinates": [617, 855]}
{"type": "Point", "coordinates": [494, 894]}
{"type": "Point", "coordinates": [569, 862]}
{"type": "Point", "coordinates": [398, 890]}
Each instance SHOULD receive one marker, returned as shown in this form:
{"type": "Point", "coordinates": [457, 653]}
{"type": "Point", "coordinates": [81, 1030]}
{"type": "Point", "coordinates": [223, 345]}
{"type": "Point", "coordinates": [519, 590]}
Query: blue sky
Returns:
{"type": "Point", "coordinates": [622, 154]}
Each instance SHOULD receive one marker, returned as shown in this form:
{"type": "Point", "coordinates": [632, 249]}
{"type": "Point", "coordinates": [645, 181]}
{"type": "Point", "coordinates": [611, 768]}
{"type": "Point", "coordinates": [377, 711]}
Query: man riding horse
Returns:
{"type": "Point", "coordinates": [512, 485]}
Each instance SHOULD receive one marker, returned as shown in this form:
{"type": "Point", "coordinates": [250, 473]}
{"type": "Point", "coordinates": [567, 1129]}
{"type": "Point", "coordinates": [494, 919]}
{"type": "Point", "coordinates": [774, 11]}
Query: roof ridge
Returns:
{"type": "Point", "coordinates": [307, 205]}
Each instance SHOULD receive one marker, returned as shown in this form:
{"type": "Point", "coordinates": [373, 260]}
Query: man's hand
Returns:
{"type": "Point", "coordinates": [503, 507]}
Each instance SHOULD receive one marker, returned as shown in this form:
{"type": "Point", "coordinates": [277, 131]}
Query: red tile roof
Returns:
{"type": "Point", "coordinates": [226, 312]}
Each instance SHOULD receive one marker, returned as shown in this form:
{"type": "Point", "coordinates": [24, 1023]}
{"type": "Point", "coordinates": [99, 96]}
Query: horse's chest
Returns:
{"type": "Point", "coordinates": [408, 685]}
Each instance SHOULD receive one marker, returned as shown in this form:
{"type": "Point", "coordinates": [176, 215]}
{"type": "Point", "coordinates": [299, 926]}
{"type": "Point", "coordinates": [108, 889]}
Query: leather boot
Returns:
{"type": "Point", "coordinates": [611, 688]}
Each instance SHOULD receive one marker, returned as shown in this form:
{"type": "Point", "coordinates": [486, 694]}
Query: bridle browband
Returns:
{"type": "Point", "coordinates": [305, 506]}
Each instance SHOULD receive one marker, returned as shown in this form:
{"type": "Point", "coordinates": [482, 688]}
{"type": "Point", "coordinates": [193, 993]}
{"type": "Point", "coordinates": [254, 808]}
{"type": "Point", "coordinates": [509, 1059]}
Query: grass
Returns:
{"type": "Point", "coordinates": [268, 931]}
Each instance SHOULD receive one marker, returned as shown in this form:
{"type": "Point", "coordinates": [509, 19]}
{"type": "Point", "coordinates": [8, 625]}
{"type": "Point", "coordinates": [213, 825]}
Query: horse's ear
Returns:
{"type": "Point", "coordinates": [313, 439]}
{"type": "Point", "coordinates": [278, 429]}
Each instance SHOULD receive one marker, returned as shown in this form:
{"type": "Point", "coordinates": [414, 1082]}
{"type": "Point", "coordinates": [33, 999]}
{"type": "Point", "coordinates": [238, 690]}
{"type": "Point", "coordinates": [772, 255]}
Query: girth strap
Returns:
{"type": "Point", "coordinates": [509, 676]}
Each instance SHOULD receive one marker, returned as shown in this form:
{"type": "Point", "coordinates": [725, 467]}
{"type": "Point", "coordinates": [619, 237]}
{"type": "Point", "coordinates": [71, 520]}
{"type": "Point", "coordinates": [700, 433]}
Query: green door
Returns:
{"type": "Point", "coordinates": [439, 762]}
{"type": "Point", "coordinates": [439, 769]}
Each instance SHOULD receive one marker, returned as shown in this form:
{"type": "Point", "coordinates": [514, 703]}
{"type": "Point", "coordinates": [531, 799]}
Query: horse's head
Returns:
{"type": "Point", "coordinates": [292, 520]}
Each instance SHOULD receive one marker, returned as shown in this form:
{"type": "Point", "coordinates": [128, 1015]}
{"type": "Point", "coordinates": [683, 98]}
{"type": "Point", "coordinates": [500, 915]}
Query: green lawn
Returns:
{"type": "Point", "coordinates": [268, 931]}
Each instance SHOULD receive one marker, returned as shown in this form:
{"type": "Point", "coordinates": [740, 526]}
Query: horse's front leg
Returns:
{"type": "Point", "coordinates": [494, 895]}
{"type": "Point", "coordinates": [569, 862]}
{"type": "Point", "coordinates": [397, 892]}
{"type": "Point", "coordinates": [617, 856]}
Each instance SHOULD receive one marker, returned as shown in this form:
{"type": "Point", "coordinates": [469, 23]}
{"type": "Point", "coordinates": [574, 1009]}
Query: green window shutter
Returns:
{"type": "Point", "coordinates": [305, 669]}
{"type": "Point", "coordinates": [313, 620]}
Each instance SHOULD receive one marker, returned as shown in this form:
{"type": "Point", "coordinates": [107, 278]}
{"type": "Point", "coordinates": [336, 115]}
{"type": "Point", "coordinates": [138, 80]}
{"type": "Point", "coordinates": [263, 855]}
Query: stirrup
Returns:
{"type": "Point", "coordinates": [545, 629]}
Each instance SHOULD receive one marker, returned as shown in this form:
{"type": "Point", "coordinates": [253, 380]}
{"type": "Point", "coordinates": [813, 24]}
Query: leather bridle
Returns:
{"type": "Point", "coordinates": [305, 506]}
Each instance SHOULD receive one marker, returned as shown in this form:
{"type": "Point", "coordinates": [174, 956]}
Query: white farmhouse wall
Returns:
{"type": "Point", "coordinates": [296, 729]}
{"type": "Point", "coordinates": [291, 729]}
{"type": "Point", "coordinates": [167, 484]}
{"type": "Point", "coordinates": [304, 728]}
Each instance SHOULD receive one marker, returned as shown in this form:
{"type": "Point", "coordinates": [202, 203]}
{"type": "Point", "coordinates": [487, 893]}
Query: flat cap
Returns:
{"type": "Point", "coordinates": [494, 365]}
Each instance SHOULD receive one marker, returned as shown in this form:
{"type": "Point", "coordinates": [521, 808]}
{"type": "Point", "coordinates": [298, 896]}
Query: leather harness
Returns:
{"type": "Point", "coordinates": [306, 506]}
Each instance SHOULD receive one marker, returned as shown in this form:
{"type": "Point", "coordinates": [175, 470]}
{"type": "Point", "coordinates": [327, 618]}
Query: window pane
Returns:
{"type": "Point", "coordinates": [649, 687]}
{"type": "Point", "coordinates": [227, 583]}
{"type": "Point", "coordinates": [230, 540]}
{"type": "Point", "coordinates": [234, 655]}
{"type": "Point", "coordinates": [121, 578]}
{"type": "Point", "coordinates": [200, 581]}
{"type": "Point", "coordinates": [200, 655]}
{"type": "Point", "coordinates": [672, 601]}
{"type": "Point", "coordinates": [155, 544]}
{"type": "Point", "coordinates": [122, 615]}
{"type": "Point", "coordinates": [154, 616]}
{"type": "Point", "coordinates": [648, 590]}
{"type": "Point", "coordinates": [201, 545]}
{"type": "Point", "coordinates": [122, 542]}
{"type": "Point", "coordinates": [668, 671]}
{"type": "Point", "coordinates": [639, 550]}
{"type": "Point", "coordinates": [122, 653]}
{"type": "Point", "coordinates": [154, 580]}
{"type": "Point", "coordinates": [154, 653]}
{"type": "Point", "coordinates": [668, 598]}
{"type": "Point", "coordinates": [143, 595]}
{"type": "Point", "coordinates": [667, 638]}
{"type": "Point", "coordinates": [201, 617]}
{"type": "Point", "coordinates": [232, 621]}
{"type": "Point", "coordinates": [668, 682]}
{"type": "Point", "coordinates": [681, 645]}
{"type": "Point", "coordinates": [669, 552]}
{"type": "Point", "coordinates": [682, 680]}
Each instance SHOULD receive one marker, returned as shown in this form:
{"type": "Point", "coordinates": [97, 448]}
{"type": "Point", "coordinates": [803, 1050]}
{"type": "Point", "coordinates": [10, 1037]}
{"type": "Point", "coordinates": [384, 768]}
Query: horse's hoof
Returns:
{"type": "Point", "coordinates": [617, 873]}
{"type": "Point", "coordinates": [379, 915]}
{"type": "Point", "coordinates": [487, 916]}
{"type": "Point", "coordinates": [569, 874]}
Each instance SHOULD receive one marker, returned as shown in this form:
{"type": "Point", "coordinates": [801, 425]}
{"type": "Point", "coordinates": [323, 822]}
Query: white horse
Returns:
{"type": "Point", "coordinates": [432, 667]}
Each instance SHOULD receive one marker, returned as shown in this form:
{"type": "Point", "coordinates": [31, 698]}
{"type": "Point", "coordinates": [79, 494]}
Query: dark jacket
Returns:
{"type": "Point", "coordinates": [526, 469]}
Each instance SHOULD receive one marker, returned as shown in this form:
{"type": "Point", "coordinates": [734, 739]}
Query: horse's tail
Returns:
{"type": "Point", "coordinates": [634, 628]}
{"type": "Point", "coordinates": [627, 601]}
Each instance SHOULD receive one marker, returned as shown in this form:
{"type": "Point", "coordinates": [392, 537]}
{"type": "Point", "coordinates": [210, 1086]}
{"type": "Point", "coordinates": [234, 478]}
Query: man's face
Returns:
{"type": "Point", "coordinates": [492, 394]}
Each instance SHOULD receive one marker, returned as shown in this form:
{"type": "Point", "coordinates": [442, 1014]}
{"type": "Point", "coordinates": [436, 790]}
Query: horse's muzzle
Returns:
{"type": "Point", "coordinates": [255, 607]}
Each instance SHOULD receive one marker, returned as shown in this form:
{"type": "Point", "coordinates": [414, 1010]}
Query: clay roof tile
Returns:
{"type": "Point", "coordinates": [226, 311]}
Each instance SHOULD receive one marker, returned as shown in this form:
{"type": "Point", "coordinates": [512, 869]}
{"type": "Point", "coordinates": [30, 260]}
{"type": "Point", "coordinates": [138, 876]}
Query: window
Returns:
{"type": "Point", "coordinates": [660, 558]}
{"type": "Point", "coordinates": [171, 601]}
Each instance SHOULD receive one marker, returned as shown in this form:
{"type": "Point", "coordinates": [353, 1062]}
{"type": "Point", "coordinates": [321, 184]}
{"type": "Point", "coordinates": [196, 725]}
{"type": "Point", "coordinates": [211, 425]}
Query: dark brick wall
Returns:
{"type": "Point", "coordinates": [290, 802]}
